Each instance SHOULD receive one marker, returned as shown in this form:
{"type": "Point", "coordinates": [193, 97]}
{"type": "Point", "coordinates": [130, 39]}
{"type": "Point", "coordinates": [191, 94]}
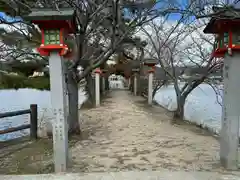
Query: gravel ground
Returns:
{"type": "Point", "coordinates": [122, 136]}
{"type": "Point", "coordinates": [130, 175]}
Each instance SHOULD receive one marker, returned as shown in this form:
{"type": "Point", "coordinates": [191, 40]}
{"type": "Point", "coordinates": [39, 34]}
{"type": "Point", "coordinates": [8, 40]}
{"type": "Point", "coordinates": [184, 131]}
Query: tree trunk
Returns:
{"type": "Point", "coordinates": [179, 113]}
{"type": "Point", "coordinates": [138, 84]}
{"type": "Point", "coordinates": [106, 83]}
{"type": "Point", "coordinates": [73, 118]}
{"type": "Point", "coordinates": [90, 89]}
{"type": "Point", "coordinates": [132, 84]}
{"type": "Point", "coordinates": [101, 85]}
{"type": "Point", "coordinates": [158, 86]}
{"type": "Point", "coordinates": [155, 90]}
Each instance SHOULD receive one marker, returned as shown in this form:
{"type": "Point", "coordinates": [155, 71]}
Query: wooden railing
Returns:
{"type": "Point", "coordinates": [33, 121]}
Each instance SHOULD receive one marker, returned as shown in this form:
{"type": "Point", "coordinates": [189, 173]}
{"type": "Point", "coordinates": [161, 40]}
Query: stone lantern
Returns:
{"type": "Point", "coordinates": [135, 73]}
{"type": "Point", "coordinates": [55, 25]}
{"type": "Point", "coordinates": [226, 26]}
{"type": "Point", "coordinates": [151, 64]}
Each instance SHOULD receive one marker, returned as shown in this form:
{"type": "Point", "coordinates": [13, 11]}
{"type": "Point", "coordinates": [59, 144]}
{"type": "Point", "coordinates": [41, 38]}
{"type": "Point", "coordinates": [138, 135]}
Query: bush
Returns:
{"type": "Point", "coordinates": [9, 81]}
{"type": "Point", "coordinates": [41, 82]}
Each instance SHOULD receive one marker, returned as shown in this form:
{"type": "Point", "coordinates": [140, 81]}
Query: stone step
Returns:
{"type": "Point", "coordinates": [132, 175]}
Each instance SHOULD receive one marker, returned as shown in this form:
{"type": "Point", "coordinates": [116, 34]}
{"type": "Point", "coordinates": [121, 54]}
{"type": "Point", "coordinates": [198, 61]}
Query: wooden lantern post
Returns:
{"type": "Point", "coordinates": [226, 26]}
{"type": "Point", "coordinates": [151, 64]}
{"type": "Point", "coordinates": [55, 25]}
{"type": "Point", "coordinates": [135, 73]}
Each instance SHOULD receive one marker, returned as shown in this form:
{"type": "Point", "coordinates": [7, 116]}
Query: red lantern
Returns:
{"type": "Point", "coordinates": [98, 70]}
{"type": "Point", "coordinates": [55, 26]}
{"type": "Point", "coordinates": [151, 64]}
{"type": "Point", "coordinates": [227, 32]}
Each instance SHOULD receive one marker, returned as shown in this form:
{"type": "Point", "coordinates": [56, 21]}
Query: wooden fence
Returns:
{"type": "Point", "coordinates": [33, 121]}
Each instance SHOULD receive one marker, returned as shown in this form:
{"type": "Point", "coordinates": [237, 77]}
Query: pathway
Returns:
{"type": "Point", "coordinates": [156, 175]}
{"type": "Point", "coordinates": [123, 136]}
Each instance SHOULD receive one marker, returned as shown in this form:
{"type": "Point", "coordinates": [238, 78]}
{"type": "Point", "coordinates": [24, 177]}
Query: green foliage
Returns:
{"type": "Point", "coordinates": [9, 81]}
{"type": "Point", "coordinates": [26, 68]}
{"type": "Point", "coordinates": [41, 83]}
{"type": "Point", "coordinates": [17, 74]}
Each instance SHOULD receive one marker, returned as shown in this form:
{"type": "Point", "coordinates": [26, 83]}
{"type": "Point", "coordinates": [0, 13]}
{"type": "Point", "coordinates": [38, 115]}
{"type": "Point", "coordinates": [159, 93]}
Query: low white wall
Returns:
{"type": "Point", "coordinates": [202, 105]}
{"type": "Point", "coordinates": [116, 84]}
{"type": "Point", "coordinates": [13, 100]}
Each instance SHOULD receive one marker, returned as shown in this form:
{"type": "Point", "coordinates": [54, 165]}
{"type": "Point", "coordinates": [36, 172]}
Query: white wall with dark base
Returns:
{"type": "Point", "coordinates": [13, 100]}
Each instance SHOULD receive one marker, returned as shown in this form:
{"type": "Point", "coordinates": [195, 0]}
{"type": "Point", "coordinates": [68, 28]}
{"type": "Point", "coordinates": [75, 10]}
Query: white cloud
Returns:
{"type": "Point", "coordinates": [191, 44]}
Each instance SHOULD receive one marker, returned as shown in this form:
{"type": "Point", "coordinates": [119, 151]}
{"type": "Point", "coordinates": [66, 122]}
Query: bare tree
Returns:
{"type": "Point", "coordinates": [102, 31]}
{"type": "Point", "coordinates": [180, 48]}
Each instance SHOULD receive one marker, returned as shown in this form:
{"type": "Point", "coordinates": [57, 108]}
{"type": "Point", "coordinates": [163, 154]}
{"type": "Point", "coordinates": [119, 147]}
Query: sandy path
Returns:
{"type": "Point", "coordinates": [120, 135]}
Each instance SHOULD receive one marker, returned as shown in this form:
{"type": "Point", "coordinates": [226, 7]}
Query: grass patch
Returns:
{"type": "Point", "coordinates": [22, 156]}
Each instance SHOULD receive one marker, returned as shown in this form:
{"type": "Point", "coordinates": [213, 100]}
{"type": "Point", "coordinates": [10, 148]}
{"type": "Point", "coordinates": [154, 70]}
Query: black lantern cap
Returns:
{"type": "Point", "coordinates": [104, 70]}
{"type": "Point", "coordinates": [150, 61]}
{"type": "Point", "coordinates": [135, 70]}
{"type": "Point", "coordinates": [221, 13]}
{"type": "Point", "coordinates": [50, 14]}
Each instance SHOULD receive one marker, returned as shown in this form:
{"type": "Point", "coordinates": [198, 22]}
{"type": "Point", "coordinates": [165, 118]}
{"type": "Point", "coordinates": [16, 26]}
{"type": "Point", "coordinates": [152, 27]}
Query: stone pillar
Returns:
{"type": "Point", "coordinates": [135, 81]}
{"type": "Point", "coordinates": [97, 86]}
{"type": "Point", "coordinates": [227, 45]}
{"type": "Point", "coordinates": [129, 83]}
{"type": "Point", "coordinates": [135, 84]}
{"type": "Point", "coordinates": [150, 86]}
{"type": "Point", "coordinates": [229, 136]}
{"type": "Point", "coordinates": [59, 102]}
